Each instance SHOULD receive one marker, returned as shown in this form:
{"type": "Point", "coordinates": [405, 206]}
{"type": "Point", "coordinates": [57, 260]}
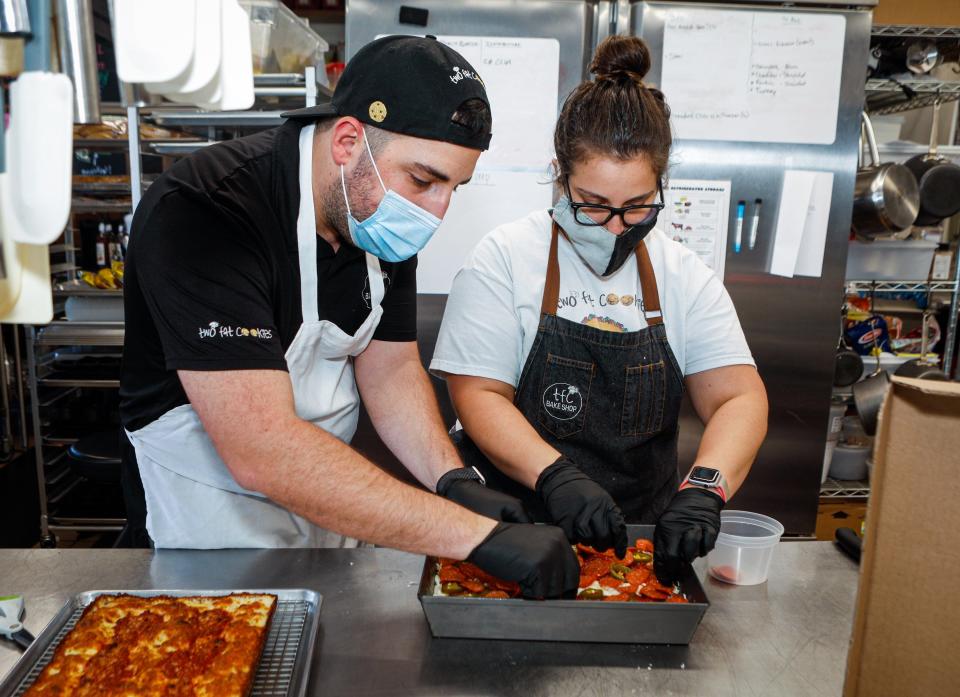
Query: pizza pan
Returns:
{"type": "Point", "coordinates": [284, 666]}
{"type": "Point", "coordinates": [565, 620]}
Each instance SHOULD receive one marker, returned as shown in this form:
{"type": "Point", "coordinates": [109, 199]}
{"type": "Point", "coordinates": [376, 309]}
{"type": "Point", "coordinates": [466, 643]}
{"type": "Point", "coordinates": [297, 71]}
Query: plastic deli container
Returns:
{"type": "Point", "coordinates": [890, 260]}
{"type": "Point", "coordinates": [744, 548]}
{"type": "Point", "coordinates": [281, 42]}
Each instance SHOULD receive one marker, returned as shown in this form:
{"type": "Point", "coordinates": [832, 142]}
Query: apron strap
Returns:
{"type": "Point", "coordinates": [648, 286]}
{"type": "Point", "coordinates": [551, 288]}
{"type": "Point", "coordinates": [648, 281]}
{"type": "Point", "coordinates": [307, 229]}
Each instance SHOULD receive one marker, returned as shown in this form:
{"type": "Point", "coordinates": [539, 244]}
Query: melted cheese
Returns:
{"type": "Point", "coordinates": [125, 645]}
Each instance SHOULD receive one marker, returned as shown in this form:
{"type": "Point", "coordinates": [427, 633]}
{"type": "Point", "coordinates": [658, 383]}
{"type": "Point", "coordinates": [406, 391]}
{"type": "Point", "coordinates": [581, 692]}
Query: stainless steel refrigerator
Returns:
{"type": "Point", "coordinates": [791, 324]}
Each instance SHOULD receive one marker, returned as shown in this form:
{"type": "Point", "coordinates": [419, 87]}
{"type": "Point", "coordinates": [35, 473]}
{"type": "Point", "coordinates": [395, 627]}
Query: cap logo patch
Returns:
{"type": "Point", "coordinates": [461, 73]}
{"type": "Point", "coordinates": [378, 111]}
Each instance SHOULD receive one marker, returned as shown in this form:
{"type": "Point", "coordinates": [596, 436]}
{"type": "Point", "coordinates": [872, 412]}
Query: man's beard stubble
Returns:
{"type": "Point", "coordinates": [361, 191]}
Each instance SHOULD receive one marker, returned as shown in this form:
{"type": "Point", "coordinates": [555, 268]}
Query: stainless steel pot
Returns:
{"type": "Point", "coordinates": [938, 180]}
{"type": "Point", "coordinates": [885, 197]}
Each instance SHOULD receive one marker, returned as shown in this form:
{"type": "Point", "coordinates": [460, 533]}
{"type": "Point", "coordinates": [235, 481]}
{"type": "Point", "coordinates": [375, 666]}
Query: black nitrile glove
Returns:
{"type": "Point", "coordinates": [465, 486]}
{"type": "Point", "coordinates": [582, 508]}
{"type": "Point", "coordinates": [686, 530]}
{"type": "Point", "coordinates": [538, 557]}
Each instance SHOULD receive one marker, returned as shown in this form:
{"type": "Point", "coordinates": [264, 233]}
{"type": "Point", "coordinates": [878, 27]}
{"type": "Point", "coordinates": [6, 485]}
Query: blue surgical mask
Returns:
{"type": "Point", "coordinates": [604, 252]}
{"type": "Point", "coordinates": [397, 230]}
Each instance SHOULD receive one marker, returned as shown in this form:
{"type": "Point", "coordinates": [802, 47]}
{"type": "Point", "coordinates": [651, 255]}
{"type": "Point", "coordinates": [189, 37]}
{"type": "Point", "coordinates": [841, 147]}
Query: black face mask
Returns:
{"type": "Point", "coordinates": [627, 242]}
{"type": "Point", "coordinates": [600, 249]}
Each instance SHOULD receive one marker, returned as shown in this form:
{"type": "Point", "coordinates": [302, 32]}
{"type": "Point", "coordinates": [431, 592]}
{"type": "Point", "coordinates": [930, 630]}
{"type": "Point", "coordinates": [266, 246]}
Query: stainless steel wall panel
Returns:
{"type": "Point", "coordinates": [790, 323]}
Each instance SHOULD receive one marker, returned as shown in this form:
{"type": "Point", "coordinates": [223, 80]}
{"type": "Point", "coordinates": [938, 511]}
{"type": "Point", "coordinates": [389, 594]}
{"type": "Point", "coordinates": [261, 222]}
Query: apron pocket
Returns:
{"type": "Point", "coordinates": [644, 393]}
{"type": "Point", "coordinates": [564, 391]}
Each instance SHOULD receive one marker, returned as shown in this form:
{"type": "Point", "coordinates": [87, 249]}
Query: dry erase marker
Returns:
{"type": "Point", "coordinates": [738, 237]}
{"type": "Point", "coordinates": [754, 222]}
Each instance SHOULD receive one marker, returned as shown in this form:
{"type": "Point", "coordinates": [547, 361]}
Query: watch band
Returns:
{"type": "Point", "coordinates": [720, 488]}
{"type": "Point", "coordinates": [459, 474]}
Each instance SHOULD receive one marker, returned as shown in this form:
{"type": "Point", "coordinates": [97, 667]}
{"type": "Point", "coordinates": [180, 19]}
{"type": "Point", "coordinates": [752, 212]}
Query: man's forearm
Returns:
{"type": "Point", "coordinates": [401, 403]}
{"type": "Point", "coordinates": [732, 437]}
{"type": "Point", "coordinates": [327, 482]}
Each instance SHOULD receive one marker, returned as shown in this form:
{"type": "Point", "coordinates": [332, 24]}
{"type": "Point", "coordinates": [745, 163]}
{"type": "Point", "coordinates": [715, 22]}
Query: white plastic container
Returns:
{"type": "Point", "coordinates": [890, 260]}
{"type": "Point", "coordinates": [744, 548]}
{"type": "Point", "coordinates": [850, 462]}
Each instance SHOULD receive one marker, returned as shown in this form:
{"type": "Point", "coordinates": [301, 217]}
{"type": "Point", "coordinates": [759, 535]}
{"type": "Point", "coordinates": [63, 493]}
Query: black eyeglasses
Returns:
{"type": "Point", "coordinates": [598, 214]}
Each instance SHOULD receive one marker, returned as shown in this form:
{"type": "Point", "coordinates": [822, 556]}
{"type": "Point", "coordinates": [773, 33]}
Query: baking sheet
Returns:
{"type": "Point", "coordinates": [566, 620]}
{"type": "Point", "coordinates": [284, 665]}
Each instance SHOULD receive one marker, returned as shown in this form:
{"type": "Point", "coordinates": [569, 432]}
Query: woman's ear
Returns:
{"type": "Point", "coordinates": [345, 137]}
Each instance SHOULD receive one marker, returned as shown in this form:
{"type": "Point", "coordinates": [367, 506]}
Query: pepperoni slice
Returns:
{"type": "Point", "coordinates": [610, 582]}
{"type": "Point", "coordinates": [586, 580]}
{"type": "Point", "coordinates": [450, 573]}
{"type": "Point", "coordinates": [623, 597]}
{"type": "Point", "coordinates": [471, 570]}
{"type": "Point", "coordinates": [643, 545]}
{"type": "Point", "coordinates": [474, 586]}
{"type": "Point", "coordinates": [597, 567]}
{"type": "Point", "coordinates": [638, 575]}
{"type": "Point", "coordinates": [677, 599]}
{"type": "Point", "coordinates": [496, 594]}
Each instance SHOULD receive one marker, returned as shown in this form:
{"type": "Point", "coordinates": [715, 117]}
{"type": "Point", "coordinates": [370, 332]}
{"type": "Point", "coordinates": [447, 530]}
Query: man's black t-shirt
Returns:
{"type": "Point", "coordinates": [212, 279]}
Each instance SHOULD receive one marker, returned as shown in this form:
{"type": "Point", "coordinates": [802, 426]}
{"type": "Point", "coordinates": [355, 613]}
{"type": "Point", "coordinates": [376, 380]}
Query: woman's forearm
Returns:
{"type": "Point", "coordinates": [501, 432]}
{"type": "Point", "coordinates": [733, 436]}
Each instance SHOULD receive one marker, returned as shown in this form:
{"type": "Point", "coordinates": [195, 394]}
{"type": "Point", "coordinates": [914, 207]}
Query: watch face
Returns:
{"type": "Point", "coordinates": [704, 475]}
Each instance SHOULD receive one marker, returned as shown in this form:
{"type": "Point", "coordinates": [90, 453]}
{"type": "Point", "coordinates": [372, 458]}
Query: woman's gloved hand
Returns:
{"type": "Point", "coordinates": [687, 529]}
{"type": "Point", "coordinates": [466, 487]}
{"type": "Point", "coordinates": [582, 508]}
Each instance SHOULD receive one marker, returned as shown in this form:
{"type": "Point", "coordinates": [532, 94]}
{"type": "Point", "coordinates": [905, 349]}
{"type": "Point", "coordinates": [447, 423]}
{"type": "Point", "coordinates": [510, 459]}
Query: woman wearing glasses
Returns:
{"type": "Point", "coordinates": [570, 335]}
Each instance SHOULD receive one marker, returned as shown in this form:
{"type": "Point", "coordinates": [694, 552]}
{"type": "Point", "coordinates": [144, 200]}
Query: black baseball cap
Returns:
{"type": "Point", "coordinates": [406, 84]}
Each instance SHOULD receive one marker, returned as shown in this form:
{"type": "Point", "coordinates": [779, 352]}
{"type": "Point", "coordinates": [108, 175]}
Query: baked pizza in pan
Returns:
{"type": "Point", "coordinates": [161, 645]}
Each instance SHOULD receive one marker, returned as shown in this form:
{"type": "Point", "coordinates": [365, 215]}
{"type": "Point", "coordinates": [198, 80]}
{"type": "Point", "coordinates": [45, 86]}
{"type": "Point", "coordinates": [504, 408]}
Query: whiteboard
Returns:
{"type": "Point", "coordinates": [522, 78]}
{"type": "Point", "coordinates": [753, 76]}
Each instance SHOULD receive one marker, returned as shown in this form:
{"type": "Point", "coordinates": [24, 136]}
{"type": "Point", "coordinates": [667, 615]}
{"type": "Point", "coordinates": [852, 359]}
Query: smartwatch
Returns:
{"type": "Point", "coordinates": [707, 478]}
{"type": "Point", "coordinates": [459, 474]}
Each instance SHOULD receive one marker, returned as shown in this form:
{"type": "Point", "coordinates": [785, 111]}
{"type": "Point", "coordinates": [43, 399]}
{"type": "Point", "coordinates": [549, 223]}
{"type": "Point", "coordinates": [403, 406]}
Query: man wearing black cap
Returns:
{"type": "Point", "coordinates": [270, 285]}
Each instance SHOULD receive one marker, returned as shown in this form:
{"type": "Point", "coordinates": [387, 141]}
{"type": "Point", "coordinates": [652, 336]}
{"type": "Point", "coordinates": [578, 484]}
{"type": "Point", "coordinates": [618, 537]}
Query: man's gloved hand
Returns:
{"type": "Point", "coordinates": [538, 557]}
{"type": "Point", "coordinates": [465, 486]}
{"type": "Point", "coordinates": [686, 530]}
{"type": "Point", "coordinates": [581, 507]}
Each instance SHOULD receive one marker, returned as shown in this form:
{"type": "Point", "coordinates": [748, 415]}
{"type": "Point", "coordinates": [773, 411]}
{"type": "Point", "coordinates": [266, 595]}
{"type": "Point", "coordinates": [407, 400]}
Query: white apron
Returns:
{"type": "Point", "coordinates": [192, 499]}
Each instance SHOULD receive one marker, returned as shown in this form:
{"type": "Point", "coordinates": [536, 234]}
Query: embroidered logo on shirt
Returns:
{"type": "Point", "coordinates": [365, 294]}
{"type": "Point", "coordinates": [562, 401]}
{"type": "Point", "coordinates": [216, 330]}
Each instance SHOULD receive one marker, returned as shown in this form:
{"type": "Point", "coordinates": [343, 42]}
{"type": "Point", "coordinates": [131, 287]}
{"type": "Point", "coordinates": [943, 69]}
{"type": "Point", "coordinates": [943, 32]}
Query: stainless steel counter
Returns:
{"type": "Point", "coordinates": [786, 637]}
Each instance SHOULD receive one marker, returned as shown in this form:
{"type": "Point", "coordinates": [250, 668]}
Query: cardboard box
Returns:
{"type": "Point", "coordinates": [907, 617]}
{"type": "Point", "coordinates": [937, 13]}
{"type": "Point", "coordinates": [834, 515]}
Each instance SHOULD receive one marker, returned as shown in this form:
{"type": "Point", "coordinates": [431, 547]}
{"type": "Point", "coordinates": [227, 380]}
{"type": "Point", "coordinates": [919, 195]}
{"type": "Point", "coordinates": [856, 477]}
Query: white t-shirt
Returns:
{"type": "Point", "coordinates": [493, 310]}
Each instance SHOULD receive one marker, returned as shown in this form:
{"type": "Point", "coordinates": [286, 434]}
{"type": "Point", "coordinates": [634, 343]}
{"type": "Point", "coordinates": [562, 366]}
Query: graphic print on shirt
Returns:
{"type": "Point", "coordinates": [562, 401]}
{"type": "Point", "coordinates": [615, 312]}
{"type": "Point", "coordinates": [605, 323]}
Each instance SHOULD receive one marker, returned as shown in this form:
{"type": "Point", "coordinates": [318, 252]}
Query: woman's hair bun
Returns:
{"type": "Point", "coordinates": [621, 56]}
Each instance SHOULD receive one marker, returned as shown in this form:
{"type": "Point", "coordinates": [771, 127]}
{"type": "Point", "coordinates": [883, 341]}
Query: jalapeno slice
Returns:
{"type": "Point", "coordinates": [590, 594]}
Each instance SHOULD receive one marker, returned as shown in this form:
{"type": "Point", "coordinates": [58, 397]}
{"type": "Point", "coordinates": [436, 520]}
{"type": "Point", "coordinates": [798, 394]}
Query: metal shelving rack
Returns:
{"type": "Point", "coordinates": [105, 339]}
{"type": "Point", "coordinates": [839, 489]}
{"type": "Point", "coordinates": [927, 90]}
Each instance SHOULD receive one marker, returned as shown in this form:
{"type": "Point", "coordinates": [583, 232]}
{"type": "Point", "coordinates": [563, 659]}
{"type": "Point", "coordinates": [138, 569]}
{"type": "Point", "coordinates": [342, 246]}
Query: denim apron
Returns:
{"type": "Point", "coordinates": [609, 401]}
